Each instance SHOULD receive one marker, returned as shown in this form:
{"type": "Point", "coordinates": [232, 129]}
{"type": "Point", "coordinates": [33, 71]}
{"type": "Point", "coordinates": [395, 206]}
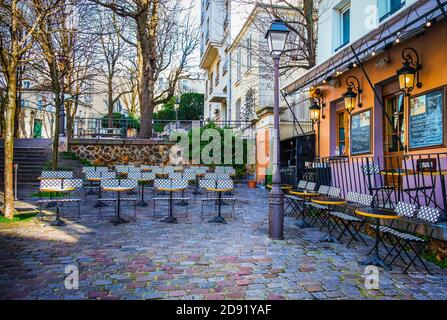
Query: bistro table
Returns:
{"type": "Point", "coordinates": [219, 218]}
{"type": "Point", "coordinates": [142, 182]}
{"type": "Point", "coordinates": [377, 214]}
{"type": "Point", "coordinates": [306, 195]}
{"type": "Point", "coordinates": [330, 202]}
{"type": "Point", "coordinates": [118, 219]}
{"type": "Point", "coordinates": [196, 191]}
{"type": "Point", "coordinates": [99, 203]}
{"type": "Point", "coordinates": [285, 187]}
{"type": "Point", "coordinates": [170, 218]}
{"type": "Point", "coordinates": [58, 222]}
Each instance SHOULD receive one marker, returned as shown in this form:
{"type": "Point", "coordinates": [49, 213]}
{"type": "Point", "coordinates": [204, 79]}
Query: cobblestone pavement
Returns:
{"type": "Point", "coordinates": [148, 259]}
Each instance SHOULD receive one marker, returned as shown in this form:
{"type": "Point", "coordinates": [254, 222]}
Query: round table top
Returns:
{"type": "Point", "coordinates": [434, 173]}
{"type": "Point", "coordinates": [304, 193]}
{"type": "Point", "coordinates": [377, 213]}
{"type": "Point", "coordinates": [98, 179]}
{"type": "Point", "coordinates": [171, 189]}
{"type": "Point", "coordinates": [397, 172]}
{"type": "Point", "coordinates": [57, 189]}
{"type": "Point", "coordinates": [219, 190]}
{"type": "Point", "coordinates": [118, 189]}
{"type": "Point", "coordinates": [325, 200]}
{"type": "Point", "coordinates": [144, 180]}
{"type": "Point", "coordinates": [283, 187]}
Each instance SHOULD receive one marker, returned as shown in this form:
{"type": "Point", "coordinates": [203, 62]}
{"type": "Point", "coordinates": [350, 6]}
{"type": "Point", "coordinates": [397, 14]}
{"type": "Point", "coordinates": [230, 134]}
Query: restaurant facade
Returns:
{"type": "Point", "coordinates": [379, 108]}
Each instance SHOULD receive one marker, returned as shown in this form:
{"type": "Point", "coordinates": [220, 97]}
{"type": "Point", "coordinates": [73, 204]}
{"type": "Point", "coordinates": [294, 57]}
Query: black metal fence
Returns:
{"type": "Point", "coordinates": [411, 178]}
{"type": "Point", "coordinates": [104, 128]}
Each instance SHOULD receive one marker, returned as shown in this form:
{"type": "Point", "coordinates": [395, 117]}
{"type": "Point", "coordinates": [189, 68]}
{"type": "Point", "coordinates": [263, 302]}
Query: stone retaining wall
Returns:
{"type": "Point", "coordinates": [101, 152]}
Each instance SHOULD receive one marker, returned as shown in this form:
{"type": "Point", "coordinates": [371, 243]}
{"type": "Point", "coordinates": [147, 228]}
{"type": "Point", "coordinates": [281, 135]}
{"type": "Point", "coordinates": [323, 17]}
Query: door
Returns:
{"type": "Point", "coordinates": [394, 135]}
{"type": "Point", "coordinates": [37, 129]}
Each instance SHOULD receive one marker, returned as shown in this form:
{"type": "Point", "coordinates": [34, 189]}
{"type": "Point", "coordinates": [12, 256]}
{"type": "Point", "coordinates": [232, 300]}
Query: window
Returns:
{"type": "Point", "coordinates": [345, 26]}
{"type": "Point", "coordinates": [238, 109]}
{"type": "Point", "coordinates": [249, 53]}
{"type": "Point", "coordinates": [217, 73]}
{"type": "Point", "coordinates": [239, 64]}
{"type": "Point", "coordinates": [389, 7]}
{"type": "Point", "coordinates": [26, 84]}
{"type": "Point", "coordinates": [342, 133]}
{"type": "Point", "coordinates": [395, 130]}
{"type": "Point", "coordinates": [211, 82]}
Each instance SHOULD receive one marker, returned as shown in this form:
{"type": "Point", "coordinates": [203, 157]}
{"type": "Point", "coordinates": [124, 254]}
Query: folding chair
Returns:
{"type": "Point", "coordinates": [348, 221]}
{"type": "Point", "coordinates": [295, 202]}
{"type": "Point", "coordinates": [427, 217]}
{"type": "Point", "coordinates": [370, 171]}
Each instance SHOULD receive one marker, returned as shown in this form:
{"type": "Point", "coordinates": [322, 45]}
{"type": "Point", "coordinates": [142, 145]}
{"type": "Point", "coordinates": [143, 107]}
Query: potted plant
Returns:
{"type": "Point", "coordinates": [251, 174]}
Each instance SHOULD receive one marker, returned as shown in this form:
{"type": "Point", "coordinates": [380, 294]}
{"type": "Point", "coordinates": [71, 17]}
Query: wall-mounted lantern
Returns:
{"type": "Point", "coordinates": [353, 94]}
{"type": "Point", "coordinates": [409, 73]}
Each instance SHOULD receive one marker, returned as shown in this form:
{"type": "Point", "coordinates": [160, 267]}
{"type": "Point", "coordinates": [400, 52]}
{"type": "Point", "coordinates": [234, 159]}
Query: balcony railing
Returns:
{"type": "Point", "coordinates": [101, 128]}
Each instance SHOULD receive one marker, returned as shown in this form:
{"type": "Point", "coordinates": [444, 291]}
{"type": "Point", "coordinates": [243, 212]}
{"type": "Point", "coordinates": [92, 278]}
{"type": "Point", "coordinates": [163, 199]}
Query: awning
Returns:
{"type": "Point", "coordinates": [404, 25]}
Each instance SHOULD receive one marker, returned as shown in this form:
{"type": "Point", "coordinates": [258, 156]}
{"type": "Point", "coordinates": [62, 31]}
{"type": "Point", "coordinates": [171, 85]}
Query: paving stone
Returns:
{"type": "Point", "coordinates": [193, 259]}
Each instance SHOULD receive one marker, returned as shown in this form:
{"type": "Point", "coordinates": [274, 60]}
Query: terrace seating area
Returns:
{"type": "Point", "coordinates": [402, 217]}
{"type": "Point", "coordinates": [124, 185]}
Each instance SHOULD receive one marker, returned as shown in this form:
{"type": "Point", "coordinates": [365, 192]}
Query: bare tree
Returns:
{"type": "Point", "coordinates": [113, 51]}
{"type": "Point", "coordinates": [18, 22]}
{"type": "Point", "coordinates": [164, 41]}
{"type": "Point", "coordinates": [301, 17]}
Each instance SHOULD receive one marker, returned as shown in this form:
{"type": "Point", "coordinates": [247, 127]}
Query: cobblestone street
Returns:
{"type": "Point", "coordinates": [194, 259]}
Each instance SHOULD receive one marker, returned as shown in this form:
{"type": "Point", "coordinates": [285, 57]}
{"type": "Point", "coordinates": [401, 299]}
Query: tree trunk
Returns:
{"type": "Point", "coordinates": [18, 106]}
{"type": "Point", "coordinates": [8, 210]}
{"type": "Point", "coordinates": [110, 100]}
{"type": "Point", "coordinates": [56, 89]}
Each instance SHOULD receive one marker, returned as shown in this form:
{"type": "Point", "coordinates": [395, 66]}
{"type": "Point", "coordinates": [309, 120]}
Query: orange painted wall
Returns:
{"type": "Point", "coordinates": [432, 49]}
{"type": "Point", "coordinates": [262, 154]}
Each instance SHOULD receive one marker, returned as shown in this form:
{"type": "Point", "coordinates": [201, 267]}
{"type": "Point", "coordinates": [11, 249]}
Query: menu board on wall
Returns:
{"type": "Point", "coordinates": [426, 120]}
{"type": "Point", "coordinates": [361, 133]}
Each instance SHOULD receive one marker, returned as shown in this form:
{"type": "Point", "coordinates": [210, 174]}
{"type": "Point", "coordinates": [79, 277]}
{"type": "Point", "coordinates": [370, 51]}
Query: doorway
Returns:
{"type": "Point", "coordinates": [37, 129]}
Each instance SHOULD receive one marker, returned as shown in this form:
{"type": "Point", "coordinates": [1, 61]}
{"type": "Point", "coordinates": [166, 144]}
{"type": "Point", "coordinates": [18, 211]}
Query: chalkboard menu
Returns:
{"type": "Point", "coordinates": [426, 120]}
{"type": "Point", "coordinates": [361, 133]}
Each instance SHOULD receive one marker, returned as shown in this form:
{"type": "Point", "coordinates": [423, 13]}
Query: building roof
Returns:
{"type": "Point", "coordinates": [404, 25]}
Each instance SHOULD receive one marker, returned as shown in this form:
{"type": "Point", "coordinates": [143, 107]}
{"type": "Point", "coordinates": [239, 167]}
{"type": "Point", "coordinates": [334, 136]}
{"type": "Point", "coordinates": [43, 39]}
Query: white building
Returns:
{"type": "Point", "coordinates": [342, 22]}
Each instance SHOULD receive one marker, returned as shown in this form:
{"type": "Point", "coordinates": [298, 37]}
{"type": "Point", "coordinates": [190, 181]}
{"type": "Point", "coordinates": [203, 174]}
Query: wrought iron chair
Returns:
{"type": "Point", "coordinates": [370, 172]}
{"type": "Point", "coordinates": [350, 223]}
{"type": "Point", "coordinates": [407, 240]}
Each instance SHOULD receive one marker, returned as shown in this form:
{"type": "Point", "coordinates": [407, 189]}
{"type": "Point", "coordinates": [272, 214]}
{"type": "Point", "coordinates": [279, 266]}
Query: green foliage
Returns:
{"type": "Point", "coordinates": [268, 179]}
{"type": "Point", "coordinates": [430, 256]}
{"type": "Point", "coordinates": [19, 217]}
{"type": "Point", "coordinates": [241, 169]}
{"type": "Point", "coordinates": [190, 108]}
{"type": "Point", "coordinates": [120, 120]}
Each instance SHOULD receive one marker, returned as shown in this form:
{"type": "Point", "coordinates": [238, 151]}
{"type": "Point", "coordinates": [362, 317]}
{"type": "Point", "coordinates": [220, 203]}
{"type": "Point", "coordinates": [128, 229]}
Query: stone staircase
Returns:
{"type": "Point", "coordinates": [31, 156]}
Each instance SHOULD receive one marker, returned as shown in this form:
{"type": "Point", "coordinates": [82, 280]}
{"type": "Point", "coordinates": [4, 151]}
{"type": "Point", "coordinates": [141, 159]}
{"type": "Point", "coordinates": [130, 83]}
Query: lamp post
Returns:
{"type": "Point", "coordinates": [276, 37]}
{"type": "Point", "coordinates": [61, 115]}
{"type": "Point", "coordinates": [176, 107]}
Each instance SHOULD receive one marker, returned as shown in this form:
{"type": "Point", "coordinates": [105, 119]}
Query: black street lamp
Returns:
{"type": "Point", "coordinates": [409, 73]}
{"type": "Point", "coordinates": [176, 107]}
{"type": "Point", "coordinates": [276, 37]}
{"type": "Point", "coordinates": [62, 62]}
{"type": "Point", "coordinates": [350, 96]}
